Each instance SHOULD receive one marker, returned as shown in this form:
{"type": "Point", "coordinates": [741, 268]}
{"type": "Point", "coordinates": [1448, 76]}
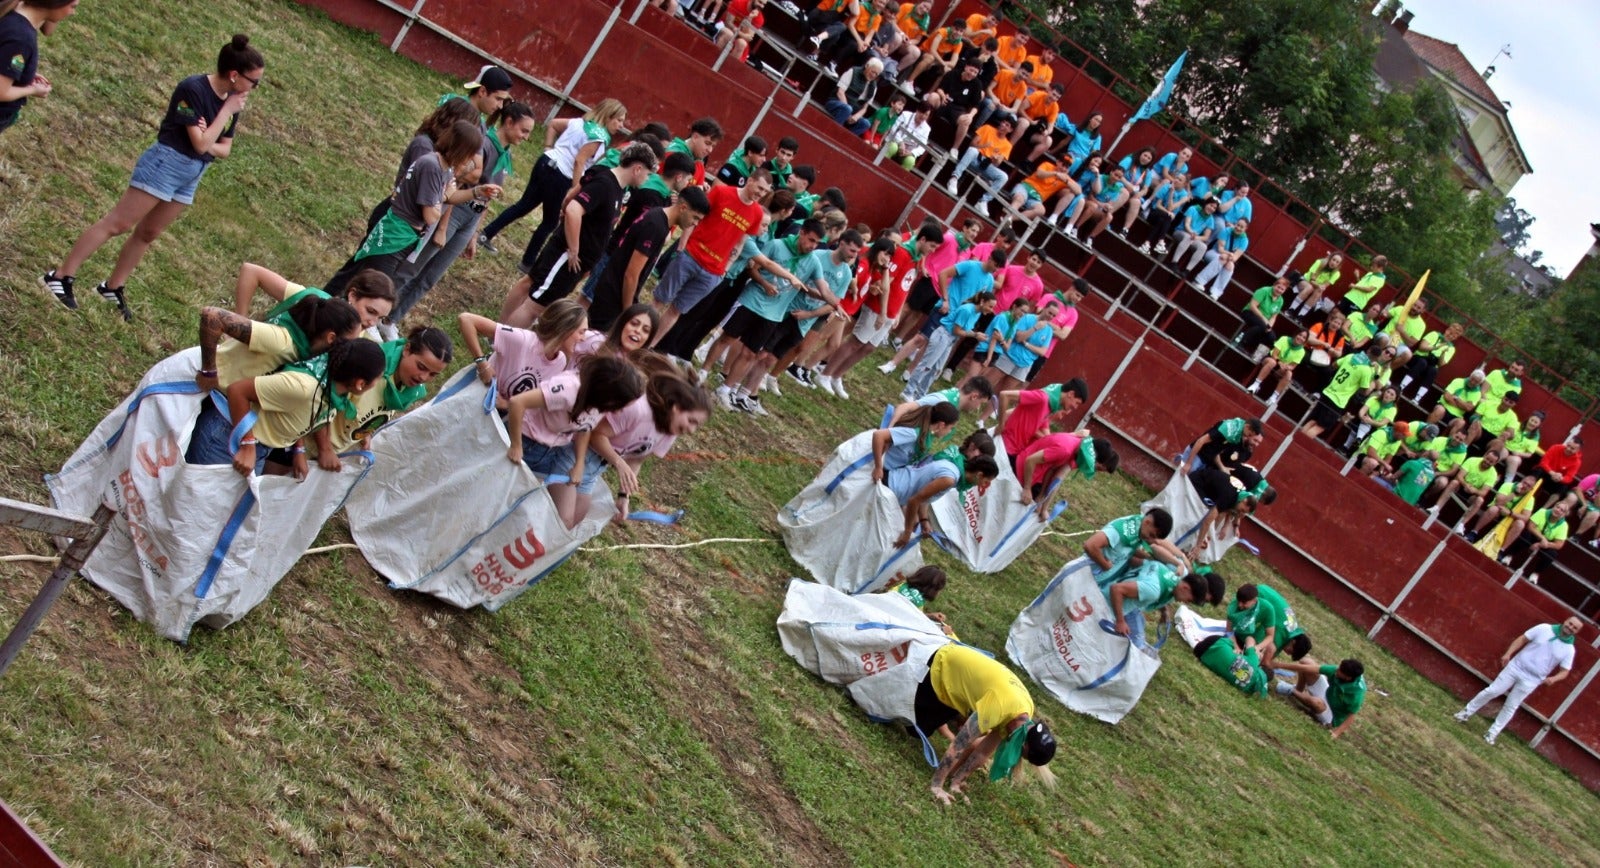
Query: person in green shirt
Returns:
{"type": "Point", "coordinates": [1125, 543]}
{"type": "Point", "coordinates": [1413, 479]}
{"type": "Point", "coordinates": [1449, 455]}
{"type": "Point", "coordinates": [1332, 695]}
{"type": "Point", "coordinates": [1259, 315]}
{"type": "Point", "coordinates": [1435, 351]}
{"type": "Point", "coordinates": [1287, 353]}
{"type": "Point", "coordinates": [1525, 444]}
{"type": "Point", "coordinates": [1361, 327]}
{"type": "Point", "coordinates": [1506, 499]}
{"type": "Point", "coordinates": [1496, 419]}
{"type": "Point", "coordinates": [1378, 411]}
{"type": "Point", "coordinates": [1459, 400]}
{"type": "Point", "coordinates": [1287, 635]}
{"type": "Point", "coordinates": [1542, 535]}
{"type": "Point", "coordinates": [1354, 373]}
{"type": "Point", "coordinates": [1503, 380]}
{"type": "Point", "coordinates": [1405, 332]}
{"type": "Point", "coordinates": [1252, 619]}
{"type": "Point", "coordinates": [736, 170]}
{"type": "Point", "coordinates": [1475, 478]}
{"type": "Point", "coordinates": [1379, 449]}
{"type": "Point", "coordinates": [1242, 669]}
{"type": "Point", "coordinates": [1155, 586]}
{"type": "Point", "coordinates": [1360, 293]}
{"type": "Point", "coordinates": [1318, 279]}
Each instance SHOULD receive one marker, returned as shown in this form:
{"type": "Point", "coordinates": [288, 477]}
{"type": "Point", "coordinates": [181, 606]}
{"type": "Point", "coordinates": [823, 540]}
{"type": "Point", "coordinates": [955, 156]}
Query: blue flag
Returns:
{"type": "Point", "coordinates": [1163, 91]}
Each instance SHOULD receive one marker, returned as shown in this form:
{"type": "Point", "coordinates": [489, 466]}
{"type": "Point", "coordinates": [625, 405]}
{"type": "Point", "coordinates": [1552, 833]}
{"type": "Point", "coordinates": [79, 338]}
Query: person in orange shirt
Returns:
{"type": "Point", "coordinates": [941, 48]}
{"type": "Point", "coordinates": [911, 26]}
{"type": "Point", "coordinates": [1012, 51]}
{"type": "Point", "coordinates": [1038, 118]}
{"type": "Point", "coordinates": [980, 29]}
{"type": "Point", "coordinates": [1008, 90]}
{"type": "Point", "coordinates": [1043, 72]}
{"type": "Point", "coordinates": [1032, 196]}
{"type": "Point", "coordinates": [991, 143]}
{"type": "Point", "coordinates": [847, 46]}
{"type": "Point", "coordinates": [821, 20]}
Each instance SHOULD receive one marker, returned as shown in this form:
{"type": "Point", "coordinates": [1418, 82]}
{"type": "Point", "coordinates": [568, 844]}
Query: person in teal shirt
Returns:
{"type": "Point", "coordinates": [1252, 619]}
{"type": "Point", "coordinates": [1332, 695]}
{"type": "Point", "coordinates": [1155, 586]}
{"type": "Point", "coordinates": [1125, 543]}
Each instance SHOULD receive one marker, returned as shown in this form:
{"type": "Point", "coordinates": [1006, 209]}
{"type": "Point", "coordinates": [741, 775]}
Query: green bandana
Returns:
{"type": "Point", "coordinates": [1560, 636]}
{"type": "Point", "coordinates": [502, 163]}
{"type": "Point", "coordinates": [912, 594]}
{"type": "Point", "coordinates": [1086, 458]}
{"type": "Point", "coordinates": [1009, 754]}
{"type": "Point", "coordinates": [394, 397]}
{"type": "Point", "coordinates": [1053, 393]}
{"type": "Point", "coordinates": [279, 316]}
{"type": "Point", "coordinates": [391, 235]}
{"type": "Point", "coordinates": [1260, 489]}
{"type": "Point", "coordinates": [657, 184]}
{"type": "Point", "coordinates": [317, 368]}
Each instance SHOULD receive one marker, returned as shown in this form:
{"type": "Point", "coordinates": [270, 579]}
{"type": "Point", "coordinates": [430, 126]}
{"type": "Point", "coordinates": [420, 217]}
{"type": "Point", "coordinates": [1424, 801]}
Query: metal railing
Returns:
{"type": "Point", "coordinates": [85, 534]}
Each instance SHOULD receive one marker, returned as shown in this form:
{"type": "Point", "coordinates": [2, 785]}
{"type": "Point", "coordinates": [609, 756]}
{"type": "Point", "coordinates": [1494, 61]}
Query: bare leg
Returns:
{"type": "Point", "coordinates": [138, 243]}
{"type": "Point", "coordinates": [126, 214]}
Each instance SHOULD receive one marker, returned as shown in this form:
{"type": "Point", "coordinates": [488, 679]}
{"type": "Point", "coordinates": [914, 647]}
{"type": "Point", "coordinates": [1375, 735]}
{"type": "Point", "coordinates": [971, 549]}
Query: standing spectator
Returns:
{"type": "Point", "coordinates": [744, 161]}
{"type": "Point", "coordinates": [1261, 313]}
{"type": "Point", "coordinates": [1541, 657]}
{"type": "Point", "coordinates": [198, 128]}
{"type": "Point", "coordinates": [617, 288]}
{"type": "Point", "coordinates": [853, 100]}
{"type": "Point", "coordinates": [569, 153]}
{"type": "Point", "coordinates": [735, 212]}
{"type": "Point", "coordinates": [19, 41]}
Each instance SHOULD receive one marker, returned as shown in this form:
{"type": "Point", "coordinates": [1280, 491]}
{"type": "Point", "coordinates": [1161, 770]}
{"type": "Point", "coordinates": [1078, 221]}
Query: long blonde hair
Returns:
{"type": "Point", "coordinates": [606, 111]}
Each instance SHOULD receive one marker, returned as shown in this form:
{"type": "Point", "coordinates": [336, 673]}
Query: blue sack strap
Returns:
{"type": "Point", "coordinates": [180, 387]}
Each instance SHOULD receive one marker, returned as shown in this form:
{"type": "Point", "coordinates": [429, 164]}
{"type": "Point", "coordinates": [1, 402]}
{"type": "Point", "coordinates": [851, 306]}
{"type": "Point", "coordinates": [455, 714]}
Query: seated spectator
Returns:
{"type": "Point", "coordinates": [1011, 51]}
{"type": "Point", "coordinates": [1538, 539]}
{"type": "Point", "coordinates": [884, 118]}
{"type": "Point", "coordinates": [829, 21]}
{"type": "Point", "coordinates": [1354, 373]}
{"type": "Point", "coordinates": [740, 24]}
{"type": "Point", "coordinates": [1584, 499]}
{"type": "Point", "coordinates": [1087, 182]}
{"type": "Point", "coordinates": [1495, 420]}
{"type": "Point", "coordinates": [1174, 163]}
{"type": "Point", "coordinates": [1082, 141]}
{"type": "Point", "coordinates": [1377, 452]}
{"type": "Point", "coordinates": [1316, 281]}
{"type": "Point", "coordinates": [1285, 356]}
{"type": "Point", "coordinates": [744, 161]}
{"type": "Point", "coordinates": [901, 52]}
{"type": "Point", "coordinates": [1367, 285]}
{"type": "Point", "coordinates": [1505, 504]}
{"type": "Point", "coordinates": [1476, 481]}
{"type": "Point", "coordinates": [1043, 72]}
{"type": "Point", "coordinates": [957, 97]}
{"type": "Point", "coordinates": [1162, 210]}
{"type": "Point", "coordinates": [853, 100]}
{"type": "Point", "coordinates": [981, 29]}
{"type": "Point", "coordinates": [1361, 327]}
{"type": "Point", "coordinates": [1038, 112]}
{"type": "Point", "coordinates": [1259, 314]}
{"type": "Point", "coordinates": [1236, 203]}
{"type": "Point", "coordinates": [1558, 469]}
{"type": "Point", "coordinates": [989, 149]}
{"type": "Point", "coordinates": [1110, 190]}
{"type": "Point", "coordinates": [1139, 168]}
{"type": "Point", "coordinates": [1033, 194]}
{"type": "Point", "coordinates": [1406, 333]}
{"type": "Point", "coordinates": [941, 48]}
{"type": "Point", "coordinates": [1229, 248]}
{"type": "Point", "coordinates": [1459, 401]}
{"type": "Point", "coordinates": [1525, 444]}
{"type": "Point", "coordinates": [1434, 352]}
{"type": "Point", "coordinates": [907, 139]}
{"type": "Point", "coordinates": [1004, 94]}
{"type": "Point", "coordinates": [1378, 411]}
{"type": "Point", "coordinates": [1195, 233]}
{"type": "Point", "coordinates": [1325, 345]}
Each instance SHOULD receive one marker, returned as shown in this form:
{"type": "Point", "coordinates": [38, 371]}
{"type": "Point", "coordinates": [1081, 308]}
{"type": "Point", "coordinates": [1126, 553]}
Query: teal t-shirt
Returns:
{"type": "Point", "coordinates": [1122, 535]}
{"type": "Point", "coordinates": [819, 264]}
{"type": "Point", "coordinates": [1414, 477]}
{"type": "Point", "coordinates": [772, 307]}
{"type": "Point", "coordinates": [1156, 582]}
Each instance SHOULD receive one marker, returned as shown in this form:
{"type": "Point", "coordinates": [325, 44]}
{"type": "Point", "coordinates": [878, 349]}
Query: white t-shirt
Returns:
{"type": "Point", "coordinates": [1544, 653]}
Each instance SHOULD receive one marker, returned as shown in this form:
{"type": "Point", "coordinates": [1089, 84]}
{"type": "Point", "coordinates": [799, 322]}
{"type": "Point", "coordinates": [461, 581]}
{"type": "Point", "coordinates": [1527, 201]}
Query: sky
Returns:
{"type": "Point", "coordinates": [1553, 85]}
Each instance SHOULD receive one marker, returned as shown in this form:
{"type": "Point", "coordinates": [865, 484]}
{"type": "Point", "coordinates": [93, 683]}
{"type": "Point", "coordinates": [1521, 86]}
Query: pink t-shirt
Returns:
{"type": "Point", "coordinates": [1060, 450]}
{"type": "Point", "coordinates": [587, 346]}
{"type": "Point", "coordinates": [979, 252]}
{"type": "Point", "coordinates": [553, 424]}
{"type": "Point", "coordinates": [948, 253]}
{"type": "Point", "coordinates": [1066, 318]}
{"type": "Point", "coordinates": [1016, 284]}
{"type": "Point", "coordinates": [1030, 414]}
{"type": "Point", "coordinates": [519, 361]}
{"type": "Point", "coordinates": [634, 432]}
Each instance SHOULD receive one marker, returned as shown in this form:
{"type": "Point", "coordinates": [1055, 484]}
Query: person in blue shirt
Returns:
{"type": "Point", "coordinates": [1029, 342]}
{"type": "Point", "coordinates": [1084, 140]}
{"type": "Point", "coordinates": [1236, 203]}
{"type": "Point", "coordinates": [959, 323]}
{"type": "Point", "coordinates": [1139, 168]}
{"type": "Point", "coordinates": [964, 280]}
{"type": "Point", "coordinates": [1200, 186]}
{"type": "Point", "coordinates": [1231, 244]}
{"type": "Point", "coordinates": [1111, 190]}
{"type": "Point", "coordinates": [1086, 178]}
{"type": "Point", "coordinates": [1164, 208]}
{"type": "Point", "coordinates": [1195, 233]}
{"type": "Point", "coordinates": [1173, 164]}
{"type": "Point", "coordinates": [997, 339]}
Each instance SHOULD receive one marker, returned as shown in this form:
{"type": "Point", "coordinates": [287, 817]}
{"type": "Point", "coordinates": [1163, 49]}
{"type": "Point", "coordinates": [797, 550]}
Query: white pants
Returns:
{"type": "Point", "coordinates": [1519, 684]}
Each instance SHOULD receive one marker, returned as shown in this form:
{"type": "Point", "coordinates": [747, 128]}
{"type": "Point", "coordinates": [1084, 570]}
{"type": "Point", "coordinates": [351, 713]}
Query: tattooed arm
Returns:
{"type": "Point", "coordinates": [214, 323]}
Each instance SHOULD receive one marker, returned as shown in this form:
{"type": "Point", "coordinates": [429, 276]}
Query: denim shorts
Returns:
{"type": "Point", "coordinates": [167, 175]}
{"type": "Point", "coordinates": [208, 443]}
{"type": "Point", "coordinates": [593, 466]}
{"type": "Point", "coordinates": [539, 457]}
{"type": "Point", "coordinates": [685, 283]}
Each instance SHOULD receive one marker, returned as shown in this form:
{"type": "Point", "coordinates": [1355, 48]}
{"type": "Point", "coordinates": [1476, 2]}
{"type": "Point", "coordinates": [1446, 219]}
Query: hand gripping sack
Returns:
{"type": "Point", "coordinates": [989, 529]}
{"type": "Point", "coordinates": [1180, 498]}
{"type": "Point", "coordinates": [446, 514]}
{"type": "Point", "coordinates": [189, 543]}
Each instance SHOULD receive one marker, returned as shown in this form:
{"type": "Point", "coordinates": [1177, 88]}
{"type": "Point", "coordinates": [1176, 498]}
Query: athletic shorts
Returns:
{"type": "Point", "coordinates": [1319, 689]}
{"type": "Point", "coordinates": [786, 338]}
{"type": "Point", "coordinates": [168, 175]}
{"type": "Point", "coordinates": [871, 329]}
{"type": "Point", "coordinates": [930, 712]}
{"type": "Point", "coordinates": [1011, 369]}
{"type": "Point", "coordinates": [552, 278]}
{"type": "Point", "coordinates": [756, 332]}
{"type": "Point", "coordinates": [684, 283]}
{"type": "Point", "coordinates": [1325, 414]}
{"type": "Point", "coordinates": [1029, 195]}
{"type": "Point", "coordinates": [923, 297]}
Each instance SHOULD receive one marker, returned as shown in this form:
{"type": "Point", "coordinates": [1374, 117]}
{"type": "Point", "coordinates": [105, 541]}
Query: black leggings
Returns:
{"type": "Point", "coordinates": [1160, 224]}
{"type": "Point", "coordinates": [1423, 370]}
{"type": "Point", "coordinates": [1256, 332]}
{"type": "Point", "coordinates": [546, 188]}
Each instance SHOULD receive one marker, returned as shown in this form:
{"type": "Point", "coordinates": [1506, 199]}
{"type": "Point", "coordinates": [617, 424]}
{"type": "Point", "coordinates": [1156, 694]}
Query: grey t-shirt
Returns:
{"type": "Point", "coordinates": [420, 147]}
{"type": "Point", "coordinates": [420, 187]}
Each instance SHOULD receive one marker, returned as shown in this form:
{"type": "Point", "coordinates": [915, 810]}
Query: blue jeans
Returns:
{"type": "Point", "coordinates": [208, 444]}
{"type": "Point", "coordinates": [841, 113]}
{"type": "Point", "coordinates": [593, 466]}
{"type": "Point", "coordinates": [414, 279]}
{"type": "Point", "coordinates": [994, 175]}
{"type": "Point", "coordinates": [541, 459]}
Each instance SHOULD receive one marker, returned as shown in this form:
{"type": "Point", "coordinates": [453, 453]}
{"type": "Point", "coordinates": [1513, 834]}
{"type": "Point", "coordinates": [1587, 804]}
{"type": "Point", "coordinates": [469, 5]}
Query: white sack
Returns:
{"type": "Point", "coordinates": [445, 513]}
{"type": "Point", "coordinates": [842, 526]}
{"type": "Point", "coordinates": [1194, 628]}
{"type": "Point", "coordinates": [1188, 511]}
{"type": "Point", "coordinates": [988, 532]}
{"type": "Point", "coordinates": [189, 544]}
{"type": "Point", "coordinates": [1060, 641]}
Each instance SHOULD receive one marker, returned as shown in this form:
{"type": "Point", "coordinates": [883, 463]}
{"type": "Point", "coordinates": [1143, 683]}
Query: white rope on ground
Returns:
{"type": "Point", "coordinates": [29, 559]}
{"type": "Point", "coordinates": [678, 545]}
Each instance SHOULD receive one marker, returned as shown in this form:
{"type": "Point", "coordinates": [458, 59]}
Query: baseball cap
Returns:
{"type": "Point", "coordinates": [492, 77]}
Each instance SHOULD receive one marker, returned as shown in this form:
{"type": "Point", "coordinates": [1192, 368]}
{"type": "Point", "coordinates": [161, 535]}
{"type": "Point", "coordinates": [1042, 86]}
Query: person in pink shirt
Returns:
{"type": "Point", "coordinates": [628, 335]}
{"type": "Point", "coordinates": [926, 291]}
{"type": "Point", "coordinates": [524, 359]}
{"type": "Point", "coordinates": [672, 406]}
{"type": "Point", "coordinates": [1019, 281]}
{"type": "Point", "coordinates": [1065, 320]}
{"type": "Point", "coordinates": [1047, 459]}
{"type": "Point", "coordinates": [1027, 415]}
{"type": "Point", "coordinates": [545, 418]}
{"type": "Point", "coordinates": [1003, 239]}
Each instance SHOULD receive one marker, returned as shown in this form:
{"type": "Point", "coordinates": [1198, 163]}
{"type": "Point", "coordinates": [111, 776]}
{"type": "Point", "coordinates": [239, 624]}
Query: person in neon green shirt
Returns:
{"type": "Point", "coordinates": [1450, 454]}
{"type": "Point", "coordinates": [1354, 373]}
{"type": "Point", "coordinates": [1287, 353]}
{"type": "Point", "coordinates": [1506, 499]}
{"type": "Point", "coordinates": [1459, 400]}
{"type": "Point", "coordinates": [1525, 444]}
{"type": "Point", "coordinates": [1360, 293]}
{"type": "Point", "coordinates": [1475, 478]}
{"type": "Point", "coordinates": [1360, 327]}
{"type": "Point", "coordinates": [1332, 695]}
{"type": "Point", "coordinates": [1406, 334]}
{"type": "Point", "coordinates": [1541, 536]}
{"type": "Point", "coordinates": [1503, 380]}
{"type": "Point", "coordinates": [1379, 449]}
{"type": "Point", "coordinates": [1318, 279]}
{"type": "Point", "coordinates": [1378, 412]}
{"type": "Point", "coordinates": [1436, 351]}
{"type": "Point", "coordinates": [1497, 418]}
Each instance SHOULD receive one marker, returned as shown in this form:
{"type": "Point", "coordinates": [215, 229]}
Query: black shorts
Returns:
{"type": "Point", "coordinates": [551, 276]}
{"type": "Point", "coordinates": [756, 332]}
{"type": "Point", "coordinates": [930, 711]}
{"type": "Point", "coordinates": [786, 338]}
{"type": "Point", "coordinates": [923, 298]}
{"type": "Point", "coordinates": [1038, 365]}
{"type": "Point", "coordinates": [962, 350]}
{"type": "Point", "coordinates": [1325, 414]}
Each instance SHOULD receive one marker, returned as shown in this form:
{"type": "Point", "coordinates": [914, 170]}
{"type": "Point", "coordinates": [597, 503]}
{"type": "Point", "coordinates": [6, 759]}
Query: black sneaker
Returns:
{"type": "Point", "coordinates": [116, 297]}
{"type": "Point", "coordinates": [61, 288]}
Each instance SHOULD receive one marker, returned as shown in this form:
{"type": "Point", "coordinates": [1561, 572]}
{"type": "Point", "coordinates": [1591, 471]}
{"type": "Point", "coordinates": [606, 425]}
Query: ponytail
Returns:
{"type": "Point", "coordinates": [239, 56]}
{"type": "Point", "coordinates": [510, 112]}
{"type": "Point", "coordinates": [430, 340]}
{"type": "Point", "coordinates": [356, 359]}
{"type": "Point", "coordinates": [316, 316]}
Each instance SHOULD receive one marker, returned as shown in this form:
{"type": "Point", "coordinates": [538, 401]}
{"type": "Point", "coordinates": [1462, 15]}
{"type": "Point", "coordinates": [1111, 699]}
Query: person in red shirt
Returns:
{"type": "Point", "coordinates": [735, 213]}
{"type": "Point", "coordinates": [1559, 469]}
{"type": "Point", "coordinates": [740, 23]}
{"type": "Point", "coordinates": [1027, 415]}
{"type": "Point", "coordinates": [889, 269]}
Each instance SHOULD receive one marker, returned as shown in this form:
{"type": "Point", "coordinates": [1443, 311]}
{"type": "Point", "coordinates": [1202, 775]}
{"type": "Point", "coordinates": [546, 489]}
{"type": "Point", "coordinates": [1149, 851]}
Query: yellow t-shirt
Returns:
{"type": "Point", "coordinates": [970, 681]}
{"type": "Point", "coordinates": [343, 431]}
{"type": "Point", "coordinates": [270, 348]}
{"type": "Point", "coordinates": [284, 406]}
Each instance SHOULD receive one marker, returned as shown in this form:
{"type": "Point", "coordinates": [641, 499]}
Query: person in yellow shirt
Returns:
{"type": "Point", "coordinates": [991, 146]}
{"type": "Point", "coordinates": [1475, 478]}
{"type": "Point", "coordinates": [409, 365]}
{"type": "Point", "coordinates": [1317, 280]}
{"type": "Point", "coordinates": [995, 713]}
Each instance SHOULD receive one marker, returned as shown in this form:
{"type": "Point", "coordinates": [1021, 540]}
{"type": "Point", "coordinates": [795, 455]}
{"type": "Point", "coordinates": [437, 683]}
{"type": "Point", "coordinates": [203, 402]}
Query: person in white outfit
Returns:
{"type": "Point", "coordinates": [1541, 656]}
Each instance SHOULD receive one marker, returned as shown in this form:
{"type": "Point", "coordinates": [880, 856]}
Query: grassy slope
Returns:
{"type": "Point", "coordinates": [636, 708]}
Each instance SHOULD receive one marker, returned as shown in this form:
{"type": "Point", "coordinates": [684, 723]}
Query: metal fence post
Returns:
{"type": "Point", "coordinates": [583, 65]}
{"type": "Point", "coordinates": [1389, 610]}
{"type": "Point", "coordinates": [71, 561]}
{"type": "Point", "coordinates": [405, 28]}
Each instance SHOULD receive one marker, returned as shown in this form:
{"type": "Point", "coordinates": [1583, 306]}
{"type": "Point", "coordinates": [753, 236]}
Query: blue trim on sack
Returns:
{"type": "Point", "coordinates": [241, 511]}
{"type": "Point", "coordinates": [899, 553]}
{"type": "Point", "coordinates": [859, 463]}
{"type": "Point", "coordinates": [241, 429]}
{"type": "Point", "coordinates": [177, 387]}
{"type": "Point", "coordinates": [1111, 673]}
{"type": "Point", "coordinates": [1055, 513]}
{"type": "Point", "coordinates": [888, 416]}
{"type": "Point", "coordinates": [654, 516]}
{"type": "Point", "coordinates": [456, 555]}
{"type": "Point", "coordinates": [459, 386]}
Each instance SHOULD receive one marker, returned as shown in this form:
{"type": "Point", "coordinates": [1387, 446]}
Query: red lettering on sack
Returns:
{"type": "Point", "coordinates": [519, 553]}
{"type": "Point", "coordinates": [491, 575]}
{"type": "Point", "coordinates": [969, 505]}
{"type": "Point", "coordinates": [1061, 638]}
{"type": "Point", "coordinates": [1081, 609]}
{"type": "Point", "coordinates": [133, 512]}
{"type": "Point", "coordinates": [166, 454]}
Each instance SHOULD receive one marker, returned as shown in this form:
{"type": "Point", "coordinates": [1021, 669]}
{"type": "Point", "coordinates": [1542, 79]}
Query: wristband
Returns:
{"type": "Point", "coordinates": [297, 450]}
{"type": "Point", "coordinates": [247, 441]}
{"type": "Point", "coordinates": [209, 372]}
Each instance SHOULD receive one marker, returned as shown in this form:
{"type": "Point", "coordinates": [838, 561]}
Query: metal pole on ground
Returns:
{"type": "Point", "coordinates": [71, 561]}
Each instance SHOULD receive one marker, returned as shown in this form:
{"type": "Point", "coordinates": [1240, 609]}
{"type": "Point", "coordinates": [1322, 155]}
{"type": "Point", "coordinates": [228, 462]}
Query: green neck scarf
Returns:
{"type": "Point", "coordinates": [1053, 393]}
{"type": "Point", "coordinates": [1086, 458]}
{"type": "Point", "coordinates": [394, 397]}
{"type": "Point", "coordinates": [912, 594]}
{"type": "Point", "coordinates": [502, 163]}
{"type": "Point", "coordinates": [317, 369]}
{"type": "Point", "coordinates": [1009, 754]}
{"type": "Point", "coordinates": [1560, 636]}
{"type": "Point", "coordinates": [657, 184]}
{"type": "Point", "coordinates": [278, 315]}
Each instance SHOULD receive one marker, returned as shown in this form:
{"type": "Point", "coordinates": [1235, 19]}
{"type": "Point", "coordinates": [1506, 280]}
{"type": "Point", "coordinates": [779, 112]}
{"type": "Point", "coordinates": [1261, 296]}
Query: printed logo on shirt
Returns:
{"type": "Point", "coordinates": [18, 62]}
{"type": "Point", "coordinates": [184, 109]}
{"type": "Point", "coordinates": [522, 382]}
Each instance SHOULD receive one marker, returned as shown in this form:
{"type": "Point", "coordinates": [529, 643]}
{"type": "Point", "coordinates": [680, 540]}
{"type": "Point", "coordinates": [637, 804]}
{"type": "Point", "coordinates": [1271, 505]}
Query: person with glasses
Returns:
{"type": "Point", "coordinates": [199, 126]}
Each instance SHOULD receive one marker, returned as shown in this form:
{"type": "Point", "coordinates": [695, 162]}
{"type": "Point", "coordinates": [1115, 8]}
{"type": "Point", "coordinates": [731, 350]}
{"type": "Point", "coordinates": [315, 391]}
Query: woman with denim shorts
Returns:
{"type": "Point", "coordinates": [197, 129]}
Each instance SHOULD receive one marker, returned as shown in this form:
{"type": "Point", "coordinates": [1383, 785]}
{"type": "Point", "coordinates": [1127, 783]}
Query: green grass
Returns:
{"type": "Point", "coordinates": [636, 707]}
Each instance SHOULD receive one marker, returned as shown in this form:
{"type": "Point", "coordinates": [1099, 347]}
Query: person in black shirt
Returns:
{"type": "Point", "coordinates": [586, 225]}
{"type": "Point", "coordinates": [958, 95]}
{"type": "Point", "coordinates": [19, 52]}
{"type": "Point", "coordinates": [658, 191]}
{"type": "Point", "coordinates": [617, 287]}
{"type": "Point", "coordinates": [198, 128]}
{"type": "Point", "coordinates": [739, 166]}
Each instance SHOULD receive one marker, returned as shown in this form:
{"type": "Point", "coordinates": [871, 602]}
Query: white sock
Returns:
{"type": "Point", "coordinates": [1284, 688]}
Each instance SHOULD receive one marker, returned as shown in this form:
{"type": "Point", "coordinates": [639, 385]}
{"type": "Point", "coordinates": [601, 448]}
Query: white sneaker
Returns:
{"type": "Point", "coordinates": [1272, 400]}
{"type": "Point", "coordinates": [838, 388]}
{"type": "Point", "coordinates": [905, 376]}
{"type": "Point", "coordinates": [1072, 231]}
{"type": "Point", "coordinates": [945, 375]}
{"type": "Point", "coordinates": [700, 353]}
{"type": "Point", "coordinates": [1488, 738]}
{"type": "Point", "coordinates": [1253, 387]}
{"type": "Point", "coordinates": [752, 405]}
{"type": "Point", "coordinates": [1161, 248]}
{"type": "Point", "coordinates": [1145, 248]}
{"type": "Point", "coordinates": [1462, 716]}
{"type": "Point", "coordinates": [886, 368]}
{"type": "Point", "coordinates": [950, 187]}
{"type": "Point", "coordinates": [704, 374]}
{"type": "Point", "coordinates": [725, 399]}
{"type": "Point", "coordinates": [769, 383]}
{"type": "Point", "coordinates": [823, 382]}
{"type": "Point", "coordinates": [1459, 530]}
{"type": "Point", "coordinates": [1261, 351]}
{"type": "Point", "coordinates": [1533, 578]}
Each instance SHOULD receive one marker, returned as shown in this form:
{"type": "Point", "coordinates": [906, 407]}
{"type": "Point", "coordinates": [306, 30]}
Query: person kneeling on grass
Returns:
{"type": "Point", "coordinates": [1242, 669]}
{"type": "Point", "coordinates": [1048, 459]}
{"type": "Point", "coordinates": [1332, 695]}
{"type": "Point", "coordinates": [964, 684]}
{"type": "Point", "coordinates": [1155, 586]}
{"type": "Point", "coordinates": [1126, 543]}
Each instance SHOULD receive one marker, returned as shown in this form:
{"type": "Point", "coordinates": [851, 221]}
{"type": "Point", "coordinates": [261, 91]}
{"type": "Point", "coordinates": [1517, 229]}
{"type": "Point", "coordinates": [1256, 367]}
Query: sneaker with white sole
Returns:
{"type": "Point", "coordinates": [824, 382]}
{"type": "Point", "coordinates": [725, 398]}
{"type": "Point", "coordinates": [770, 383]}
{"type": "Point", "coordinates": [486, 244]}
{"type": "Point", "coordinates": [752, 405]}
{"type": "Point", "coordinates": [1253, 387]}
{"type": "Point", "coordinates": [838, 388]}
{"type": "Point", "coordinates": [1462, 716]}
{"type": "Point", "coordinates": [1533, 578]}
{"type": "Point", "coordinates": [797, 373]}
{"type": "Point", "coordinates": [886, 368]}
{"type": "Point", "coordinates": [1145, 248]}
{"type": "Point", "coordinates": [116, 297]}
{"type": "Point", "coordinates": [950, 187]}
{"type": "Point", "coordinates": [1488, 738]}
{"type": "Point", "coordinates": [61, 288]}
{"type": "Point", "coordinates": [1161, 248]}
